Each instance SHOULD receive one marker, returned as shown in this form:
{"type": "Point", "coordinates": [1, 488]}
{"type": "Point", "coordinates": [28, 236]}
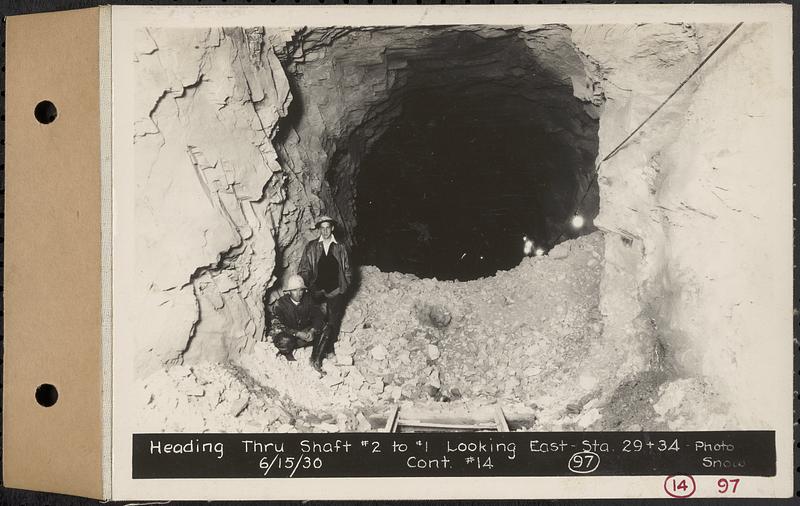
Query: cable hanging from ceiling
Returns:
{"type": "Point", "coordinates": [576, 220]}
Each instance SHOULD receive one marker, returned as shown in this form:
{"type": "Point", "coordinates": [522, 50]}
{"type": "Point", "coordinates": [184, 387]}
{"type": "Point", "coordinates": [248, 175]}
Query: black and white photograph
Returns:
{"type": "Point", "coordinates": [437, 226]}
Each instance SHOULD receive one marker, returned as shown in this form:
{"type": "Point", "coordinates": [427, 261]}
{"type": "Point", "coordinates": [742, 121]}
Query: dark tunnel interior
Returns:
{"type": "Point", "coordinates": [471, 167]}
{"type": "Point", "coordinates": [474, 142]}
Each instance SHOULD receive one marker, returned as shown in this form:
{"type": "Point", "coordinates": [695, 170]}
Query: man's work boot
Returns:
{"type": "Point", "coordinates": [329, 348]}
{"type": "Point", "coordinates": [318, 353]}
{"type": "Point", "coordinates": [315, 353]}
{"type": "Point", "coordinates": [285, 345]}
{"type": "Point", "coordinates": [289, 356]}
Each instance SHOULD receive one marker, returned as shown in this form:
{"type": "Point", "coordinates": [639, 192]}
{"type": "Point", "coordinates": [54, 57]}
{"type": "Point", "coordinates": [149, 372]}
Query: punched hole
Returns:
{"type": "Point", "coordinates": [46, 395]}
{"type": "Point", "coordinates": [45, 112]}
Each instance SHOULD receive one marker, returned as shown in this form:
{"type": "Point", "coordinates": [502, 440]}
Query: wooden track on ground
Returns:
{"type": "Point", "coordinates": [431, 422]}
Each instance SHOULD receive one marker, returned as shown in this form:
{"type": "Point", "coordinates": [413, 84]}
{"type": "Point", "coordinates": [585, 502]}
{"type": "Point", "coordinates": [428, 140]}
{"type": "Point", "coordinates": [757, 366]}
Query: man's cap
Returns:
{"type": "Point", "coordinates": [294, 282]}
{"type": "Point", "coordinates": [322, 219]}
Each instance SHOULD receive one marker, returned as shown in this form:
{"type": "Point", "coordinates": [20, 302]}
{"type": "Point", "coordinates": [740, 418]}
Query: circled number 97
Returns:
{"type": "Point", "coordinates": [583, 462]}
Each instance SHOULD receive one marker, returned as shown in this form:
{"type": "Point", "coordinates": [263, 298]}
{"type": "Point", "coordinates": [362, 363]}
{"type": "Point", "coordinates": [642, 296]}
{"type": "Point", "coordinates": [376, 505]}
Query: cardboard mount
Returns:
{"type": "Point", "coordinates": [53, 323]}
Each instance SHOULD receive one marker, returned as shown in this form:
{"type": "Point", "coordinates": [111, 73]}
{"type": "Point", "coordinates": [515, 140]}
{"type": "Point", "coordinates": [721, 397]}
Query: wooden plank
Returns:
{"type": "Point", "coordinates": [435, 425]}
{"type": "Point", "coordinates": [500, 418]}
{"type": "Point", "coordinates": [444, 413]}
{"type": "Point", "coordinates": [484, 415]}
{"type": "Point", "coordinates": [391, 421]}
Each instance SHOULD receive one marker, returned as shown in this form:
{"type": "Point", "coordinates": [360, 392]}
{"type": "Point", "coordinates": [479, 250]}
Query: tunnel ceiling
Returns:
{"type": "Point", "coordinates": [438, 148]}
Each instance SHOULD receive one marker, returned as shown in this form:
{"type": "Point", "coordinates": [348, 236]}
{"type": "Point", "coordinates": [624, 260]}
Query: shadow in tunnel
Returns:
{"type": "Point", "coordinates": [451, 147]}
{"type": "Point", "coordinates": [463, 175]}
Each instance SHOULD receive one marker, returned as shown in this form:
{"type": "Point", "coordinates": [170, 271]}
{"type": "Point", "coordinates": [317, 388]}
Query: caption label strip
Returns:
{"type": "Point", "coordinates": [738, 453]}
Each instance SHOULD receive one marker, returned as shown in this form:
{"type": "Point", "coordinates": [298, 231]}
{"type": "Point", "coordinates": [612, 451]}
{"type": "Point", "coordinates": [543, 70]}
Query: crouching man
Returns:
{"type": "Point", "coordinates": [296, 320]}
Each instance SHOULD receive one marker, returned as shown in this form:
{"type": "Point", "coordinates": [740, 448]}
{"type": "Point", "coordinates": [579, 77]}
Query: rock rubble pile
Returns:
{"type": "Point", "coordinates": [522, 338]}
{"type": "Point", "coordinates": [518, 336]}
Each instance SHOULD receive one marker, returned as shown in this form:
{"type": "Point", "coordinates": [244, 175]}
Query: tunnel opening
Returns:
{"type": "Point", "coordinates": [439, 152]}
{"type": "Point", "coordinates": [561, 340]}
{"type": "Point", "coordinates": [447, 152]}
{"type": "Point", "coordinates": [458, 182]}
{"type": "Point", "coordinates": [482, 147]}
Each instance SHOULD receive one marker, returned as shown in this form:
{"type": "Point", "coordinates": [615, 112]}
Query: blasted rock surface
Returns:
{"type": "Point", "coordinates": [528, 338]}
{"type": "Point", "coordinates": [354, 82]}
{"type": "Point", "coordinates": [226, 193]}
{"type": "Point", "coordinates": [523, 338]}
{"type": "Point", "coordinates": [208, 103]}
{"type": "Point", "coordinates": [686, 201]}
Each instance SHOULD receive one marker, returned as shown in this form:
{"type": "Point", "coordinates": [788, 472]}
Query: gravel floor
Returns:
{"type": "Point", "coordinates": [523, 338]}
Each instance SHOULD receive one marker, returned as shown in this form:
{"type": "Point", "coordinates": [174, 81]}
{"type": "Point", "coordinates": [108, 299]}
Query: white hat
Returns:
{"type": "Point", "coordinates": [322, 219]}
{"type": "Point", "coordinates": [294, 282]}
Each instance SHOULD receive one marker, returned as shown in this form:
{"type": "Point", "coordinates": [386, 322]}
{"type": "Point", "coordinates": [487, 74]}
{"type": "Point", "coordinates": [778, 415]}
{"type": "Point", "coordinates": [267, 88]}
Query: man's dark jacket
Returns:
{"type": "Point", "coordinates": [288, 317]}
{"type": "Point", "coordinates": [313, 251]}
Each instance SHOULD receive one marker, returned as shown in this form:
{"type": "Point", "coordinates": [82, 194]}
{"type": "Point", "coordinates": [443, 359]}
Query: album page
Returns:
{"type": "Point", "coordinates": [374, 252]}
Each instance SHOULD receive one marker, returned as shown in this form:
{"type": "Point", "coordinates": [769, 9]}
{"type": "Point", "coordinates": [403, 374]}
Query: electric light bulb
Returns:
{"type": "Point", "coordinates": [577, 221]}
{"type": "Point", "coordinates": [526, 250]}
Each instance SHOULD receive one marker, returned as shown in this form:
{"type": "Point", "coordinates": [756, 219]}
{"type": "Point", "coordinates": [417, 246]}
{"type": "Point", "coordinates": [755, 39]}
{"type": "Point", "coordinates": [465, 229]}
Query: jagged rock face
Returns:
{"type": "Point", "coordinates": [208, 104]}
{"type": "Point", "coordinates": [437, 126]}
{"type": "Point", "coordinates": [218, 208]}
{"type": "Point", "coordinates": [244, 136]}
{"type": "Point", "coordinates": [522, 338]}
{"type": "Point", "coordinates": [687, 200]}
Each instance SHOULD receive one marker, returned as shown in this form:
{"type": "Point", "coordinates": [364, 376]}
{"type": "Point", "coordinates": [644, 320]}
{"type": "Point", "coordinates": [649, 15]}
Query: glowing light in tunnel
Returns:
{"type": "Point", "coordinates": [539, 252]}
{"type": "Point", "coordinates": [528, 247]}
{"type": "Point", "coordinates": [577, 221]}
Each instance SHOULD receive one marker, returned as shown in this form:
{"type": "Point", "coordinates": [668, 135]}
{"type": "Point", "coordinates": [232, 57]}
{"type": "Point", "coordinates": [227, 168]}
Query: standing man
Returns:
{"type": "Point", "coordinates": [325, 267]}
{"type": "Point", "coordinates": [295, 320]}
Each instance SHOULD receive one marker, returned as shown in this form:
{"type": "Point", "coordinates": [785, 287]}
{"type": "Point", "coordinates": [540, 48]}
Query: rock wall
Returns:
{"type": "Point", "coordinates": [233, 165]}
{"type": "Point", "coordinates": [688, 283]}
{"type": "Point", "coordinates": [208, 191]}
{"type": "Point", "coordinates": [351, 84]}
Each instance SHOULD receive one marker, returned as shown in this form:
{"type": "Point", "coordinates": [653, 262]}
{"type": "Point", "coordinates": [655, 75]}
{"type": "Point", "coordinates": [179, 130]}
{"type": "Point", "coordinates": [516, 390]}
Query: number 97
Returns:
{"type": "Point", "coordinates": [724, 485]}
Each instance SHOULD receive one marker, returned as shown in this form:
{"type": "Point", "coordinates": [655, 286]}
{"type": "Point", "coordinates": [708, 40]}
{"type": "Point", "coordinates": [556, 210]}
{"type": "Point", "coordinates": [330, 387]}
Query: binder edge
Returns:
{"type": "Point", "coordinates": [62, 448]}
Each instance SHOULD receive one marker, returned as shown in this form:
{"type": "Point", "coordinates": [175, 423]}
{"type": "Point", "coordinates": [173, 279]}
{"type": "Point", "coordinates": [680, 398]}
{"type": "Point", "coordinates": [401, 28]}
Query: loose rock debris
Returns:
{"type": "Point", "coordinates": [521, 338]}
